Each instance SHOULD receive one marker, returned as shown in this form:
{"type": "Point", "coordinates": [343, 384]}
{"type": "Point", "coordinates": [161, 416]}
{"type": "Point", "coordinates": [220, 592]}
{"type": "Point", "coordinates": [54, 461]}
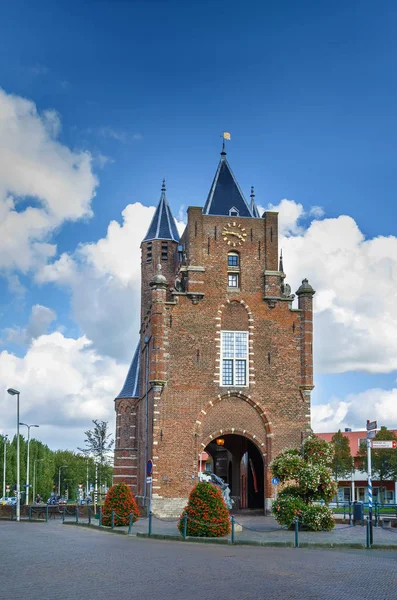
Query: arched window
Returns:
{"type": "Point", "coordinates": [233, 259]}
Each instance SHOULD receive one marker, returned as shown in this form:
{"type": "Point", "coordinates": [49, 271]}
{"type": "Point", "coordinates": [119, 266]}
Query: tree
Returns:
{"type": "Point", "coordinates": [207, 513]}
{"type": "Point", "coordinates": [98, 445]}
{"type": "Point", "coordinates": [383, 461]}
{"type": "Point", "coordinates": [309, 479]}
{"type": "Point", "coordinates": [342, 463]}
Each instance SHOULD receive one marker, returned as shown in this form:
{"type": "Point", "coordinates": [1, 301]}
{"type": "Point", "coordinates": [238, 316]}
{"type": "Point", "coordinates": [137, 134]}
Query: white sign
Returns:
{"type": "Point", "coordinates": [384, 444]}
{"type": "Point", "coordinates": [149, 479]}
{"type": "Point", "coordinates": [371, 434]}
{"type": "Point", "coordinates": [372, 425]}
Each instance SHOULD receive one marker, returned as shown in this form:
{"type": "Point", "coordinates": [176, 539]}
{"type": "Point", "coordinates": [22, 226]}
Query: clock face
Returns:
{"type": "Point", "coordinates": [233, 234]}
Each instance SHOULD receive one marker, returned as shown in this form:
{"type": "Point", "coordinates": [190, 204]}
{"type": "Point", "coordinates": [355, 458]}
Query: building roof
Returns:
{"type": "Point", "coordinates": [131, 384]}
{"type": "Point", "coordinates": [225, 194]}
{"type": "Point", "coordinates": [352, 436]}
{"type": "Point", "coordinates": [163, 225]}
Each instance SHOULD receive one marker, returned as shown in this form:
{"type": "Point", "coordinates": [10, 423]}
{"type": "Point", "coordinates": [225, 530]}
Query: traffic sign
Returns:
{"type": "Point", "coordinates": [149, 479]}
{"type": "Point", "coordinates": [384, 444]}
{"type": "Point", "coordinates": [275, 481]}
{"type": "Point", "coordinates": [371, 434]}
{"type": "Point", "coordinates": [371, 425]}
{"type": "Point", "coordinates": [149, 468]}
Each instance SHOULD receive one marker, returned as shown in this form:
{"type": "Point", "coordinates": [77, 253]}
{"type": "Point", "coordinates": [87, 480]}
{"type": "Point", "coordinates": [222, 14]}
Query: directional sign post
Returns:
{"type": "Point", "coordinates": [275, 482]}
{"type": "Point", "coordinates": [371, 426]}
{"type": "Point", "coordinates": [385, 444]}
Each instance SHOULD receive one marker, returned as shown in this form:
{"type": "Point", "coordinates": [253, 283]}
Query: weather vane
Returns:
{"type": "Point", "coordinates": [226, 136]}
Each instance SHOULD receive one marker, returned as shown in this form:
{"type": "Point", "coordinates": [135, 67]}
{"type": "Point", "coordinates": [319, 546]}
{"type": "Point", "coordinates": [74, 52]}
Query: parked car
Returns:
{"type": "Point", "coordinates": [4, 500]}
{"type": "Point", "coordinates": [62, 501]}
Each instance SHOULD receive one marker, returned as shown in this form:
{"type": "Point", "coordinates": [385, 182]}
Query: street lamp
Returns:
{"type": "Point", "coordinates": [36, 460]}
{"type": "Point", "coordinates": [27, 466]}
{"type": "Point", "coordinates": [5, 464]}
{"type": "Point", "coordinates": [13, 392]}
{"type": "Point", "coordinates": [59, 477]}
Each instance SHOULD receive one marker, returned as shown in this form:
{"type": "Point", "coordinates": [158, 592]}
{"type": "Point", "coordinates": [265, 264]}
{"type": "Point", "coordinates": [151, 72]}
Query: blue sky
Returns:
{"type": "Point", "coordinates": [307, 90]}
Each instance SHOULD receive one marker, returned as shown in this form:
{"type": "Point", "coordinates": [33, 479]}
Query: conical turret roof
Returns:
{"type": "Point", "coordinates": [225, 197]}
{"type": "Point", "coordinates": [163, 225]}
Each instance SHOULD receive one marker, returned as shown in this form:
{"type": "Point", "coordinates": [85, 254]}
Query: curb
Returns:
{"type": "Point", "coordinates": [227, 542]}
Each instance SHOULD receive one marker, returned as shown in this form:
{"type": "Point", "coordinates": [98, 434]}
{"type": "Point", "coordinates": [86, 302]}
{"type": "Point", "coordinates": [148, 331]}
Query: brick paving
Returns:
{"type": "Point", "coordinates": [46, 561]}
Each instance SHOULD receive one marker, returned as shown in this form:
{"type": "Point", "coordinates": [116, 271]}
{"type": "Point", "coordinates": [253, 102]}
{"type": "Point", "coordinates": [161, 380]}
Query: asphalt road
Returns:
{"type": "Point", "coordinates": [59, 562]}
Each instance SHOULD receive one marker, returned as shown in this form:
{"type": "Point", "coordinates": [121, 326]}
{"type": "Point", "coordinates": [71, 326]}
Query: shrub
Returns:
{"type": "Point", "coordinates": [310, 479]}
{"type": "Point", "coordinates": [120, 499]}
{"type": "Point", "coordinates": [207, 513]}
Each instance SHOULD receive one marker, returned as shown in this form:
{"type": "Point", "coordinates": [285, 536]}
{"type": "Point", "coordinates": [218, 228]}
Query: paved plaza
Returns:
{"type": "Point", "coordinates": [43, 561]}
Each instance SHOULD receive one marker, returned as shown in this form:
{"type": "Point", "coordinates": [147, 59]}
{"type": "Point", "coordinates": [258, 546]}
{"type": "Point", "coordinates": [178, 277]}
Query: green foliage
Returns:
{"type": "Point", "coordinates": [120, 499]}
{"type": "Point", "coordinates": [309, 478]}
{"type": "Point", "coordinates": [342, 463]}
{"type": "Point", "coordinates": [44, 468]}
{"type": "Point", "coordinates": [98, 445]}
{"type": "Point", "coordinates": [207, 513]}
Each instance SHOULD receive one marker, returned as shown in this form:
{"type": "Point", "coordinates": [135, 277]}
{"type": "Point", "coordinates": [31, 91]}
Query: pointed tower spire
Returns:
{"type": "Point", "coordinates": [163, 225]}
{"type": "Point", "coordinates": [281, 266]}
{"type": "Point", "coordinates": [254, 210]}
{"type": "Point", "coordinates": [225, 197]}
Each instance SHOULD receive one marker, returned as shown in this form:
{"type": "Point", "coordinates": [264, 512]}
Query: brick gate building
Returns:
{"type": "Point", "coordinates": [223, 364]}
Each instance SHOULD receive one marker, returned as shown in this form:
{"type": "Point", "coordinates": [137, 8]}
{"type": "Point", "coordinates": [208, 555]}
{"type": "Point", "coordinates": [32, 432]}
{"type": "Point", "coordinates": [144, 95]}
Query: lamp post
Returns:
{"type": "Point", "coordinates": [13, 392]}
{"type": "Point", "coordinates": [36, 460]}
{"type": "Point", "coordinates": [59, 477]}
{"type": "Point", "coordinates": [5, 464]}
{"type": "Point", "coordinates": [28, 462]}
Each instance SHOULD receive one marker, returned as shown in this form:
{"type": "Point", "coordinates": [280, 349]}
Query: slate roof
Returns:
{"type": "Point", "coordinates": [131, 384]}
{"type": "Point", "coordinates": [225, 194]}
{"type": "Point", "coordinates": [163, 225]}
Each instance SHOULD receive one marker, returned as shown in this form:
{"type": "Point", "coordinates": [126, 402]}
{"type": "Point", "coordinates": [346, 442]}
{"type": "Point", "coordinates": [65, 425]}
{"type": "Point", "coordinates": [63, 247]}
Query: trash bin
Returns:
{"type": "Point", "coordinates": [358, 512]}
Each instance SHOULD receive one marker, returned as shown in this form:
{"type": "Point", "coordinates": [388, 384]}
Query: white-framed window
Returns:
{"type": "Point", "coordinates": [234, 351]}
{"type": "Point", "coordinates": [232, 280]}
{"type": "Point", "coordinates": [233, 259]}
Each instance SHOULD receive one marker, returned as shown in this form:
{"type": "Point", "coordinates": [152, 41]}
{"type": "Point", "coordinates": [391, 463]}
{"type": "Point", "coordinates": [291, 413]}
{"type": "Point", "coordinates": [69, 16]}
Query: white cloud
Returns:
{"type": "Point", "coordinates": [64, 384]}
{"type": "Point", "coordinates": [356, 292]}
{"type": "Point", "coordinates": [54, 183]}
{"type": "Point", "coordinates": [355, 409]}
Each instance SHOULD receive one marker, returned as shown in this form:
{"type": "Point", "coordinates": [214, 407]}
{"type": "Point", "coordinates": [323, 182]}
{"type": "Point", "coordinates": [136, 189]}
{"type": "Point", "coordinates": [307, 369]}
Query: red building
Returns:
{"type": "Point", "coordinates": [222, 354]}
{"type": "Point", "coordinates": [355, 487]}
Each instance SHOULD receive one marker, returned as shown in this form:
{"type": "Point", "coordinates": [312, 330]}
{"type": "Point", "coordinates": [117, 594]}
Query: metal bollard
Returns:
{"type": "Point", "coordinates": [63, 515]}
{"type": "Point", "coordinates": [232, 519]}
{"type": "Point", "coordinates": [296, 533]}
{"type": "Point", "coordinates": [368, 534]}
{"type": "Point", "coordinates": [112, 518]}
{"type": "Point", "coordinates": [184, 527]}
{"type": "Point", "coordinates": [130, 524]}
{"type": "Point", "coordinates": [30, 513]}
{"type": "Point", "coordinates": [77, 514]}
{"type": "Point", "coordinates": [150, 523]}
{"type": "Point", "coordinates": [100, 516]}
{"type": "Point", "coordinates": [46, 513]}
{"type": "Point", "coordinates": [89, 515]}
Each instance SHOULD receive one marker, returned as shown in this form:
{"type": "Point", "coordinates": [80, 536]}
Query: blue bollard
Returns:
{"type": "Point", "coordinates": [184, 527]}
{"type": "Point", "coordinates": [232, 519]}
{"type": "Point", "coordinates": [296, 533]}
{"type": "Point", "coordinates": [77, 515]}
{"type": "Point", "coordinates": [46, 513]}
{"type": "Point", "coordinates": [63, 515]}
{"type": "Point", "coordinates": [30, 513]}
{"type": "Point", "coordinates": [150, 523]}
{"type": "Point", "coordinates": [100, 516]}
{"type": "Point", "coordinates": [89, 515]}
{"type": "Point", "coordinates": [112, 519]}
{"type": "Point", "coordinates": [130, 524]}
{"type": "Point", "coordinates": [368, 534]}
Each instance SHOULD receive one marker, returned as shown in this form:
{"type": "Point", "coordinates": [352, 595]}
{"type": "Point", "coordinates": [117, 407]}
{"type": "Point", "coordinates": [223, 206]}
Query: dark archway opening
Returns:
{"type": "Point", "coordinates": [240, 464]}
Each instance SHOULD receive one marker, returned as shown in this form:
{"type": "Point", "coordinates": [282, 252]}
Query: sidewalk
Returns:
{"type": "Point", "coordinates": [262, 530]}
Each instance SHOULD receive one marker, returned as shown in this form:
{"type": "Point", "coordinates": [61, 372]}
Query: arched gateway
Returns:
{"type": "Point", "coordinates": [223, 368]}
